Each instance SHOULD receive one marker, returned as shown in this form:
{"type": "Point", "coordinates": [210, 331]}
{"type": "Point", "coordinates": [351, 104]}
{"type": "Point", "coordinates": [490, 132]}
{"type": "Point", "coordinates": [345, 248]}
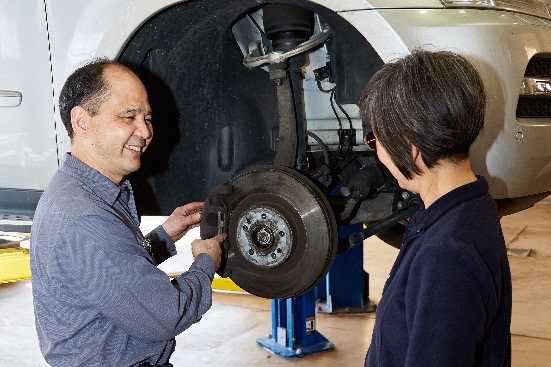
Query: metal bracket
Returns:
{"type": "Point", "coordinates": [215, 220]}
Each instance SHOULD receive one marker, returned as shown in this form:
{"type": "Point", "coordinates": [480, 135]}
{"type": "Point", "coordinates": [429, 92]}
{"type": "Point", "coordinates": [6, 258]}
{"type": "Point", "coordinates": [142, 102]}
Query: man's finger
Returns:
{"type": "Point", "coordinates": [190, 208]}
{"type": "Point", "coordinates": [191, 218]}
{"type": "Point", "coordinates": [220, 237]}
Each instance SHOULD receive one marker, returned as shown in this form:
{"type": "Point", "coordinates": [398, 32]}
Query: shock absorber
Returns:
{"type": "Point", "coordinates": [288, 26]}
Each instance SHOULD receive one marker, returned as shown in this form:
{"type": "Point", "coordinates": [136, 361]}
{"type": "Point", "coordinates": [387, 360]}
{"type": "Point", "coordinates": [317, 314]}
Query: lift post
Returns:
{"type": "Point", "coordinates": [294, 331]}
{"type": "Point", "coordinates": [344, 289]}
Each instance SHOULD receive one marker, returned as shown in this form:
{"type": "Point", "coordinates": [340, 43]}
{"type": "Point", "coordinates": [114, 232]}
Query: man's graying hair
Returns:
{"type": "Point", "coordinates": [85, 87]}
{"type": "Point", "coordinates": [434, 101]}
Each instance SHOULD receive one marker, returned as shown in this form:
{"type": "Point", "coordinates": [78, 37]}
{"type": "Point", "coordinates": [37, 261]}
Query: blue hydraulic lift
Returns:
{"type": "Point", "coordinates": [344, 289]}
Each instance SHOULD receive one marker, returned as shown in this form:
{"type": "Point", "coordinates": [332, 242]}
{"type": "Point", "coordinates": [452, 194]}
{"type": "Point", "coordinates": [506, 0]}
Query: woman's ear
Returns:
{"type": "Point", "coordinates": [418, 158]}
{"type": "Point", "coordinates": [79, 120]}
{"type": "Point", "coordinates": [415, 155]}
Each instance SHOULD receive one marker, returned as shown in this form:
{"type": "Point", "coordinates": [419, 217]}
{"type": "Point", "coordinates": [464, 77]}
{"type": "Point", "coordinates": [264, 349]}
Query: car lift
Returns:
{"type": "Point", "coordinates": [14, 259]}
{"type": "Point", "coordinates": [344, 289]}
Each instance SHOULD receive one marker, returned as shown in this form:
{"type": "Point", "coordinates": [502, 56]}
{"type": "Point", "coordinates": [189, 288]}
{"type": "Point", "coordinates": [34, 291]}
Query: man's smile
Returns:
{"type": "Point", "coordinates": [135, 148]}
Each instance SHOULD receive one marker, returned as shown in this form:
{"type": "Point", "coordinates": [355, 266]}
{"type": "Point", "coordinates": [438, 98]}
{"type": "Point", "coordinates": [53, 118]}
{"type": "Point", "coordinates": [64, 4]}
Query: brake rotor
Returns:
{"type": "Point", "coordinates": [282, 235]}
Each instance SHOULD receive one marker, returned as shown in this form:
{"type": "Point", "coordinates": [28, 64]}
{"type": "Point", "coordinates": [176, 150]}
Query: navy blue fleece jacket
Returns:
{"type": "Point", "coordinates": [447, 301]}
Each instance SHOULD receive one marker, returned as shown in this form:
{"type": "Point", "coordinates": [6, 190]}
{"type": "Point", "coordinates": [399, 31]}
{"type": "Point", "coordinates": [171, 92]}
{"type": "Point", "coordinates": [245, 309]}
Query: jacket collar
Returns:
{"type": "Point", "coordinates": [426, 217]}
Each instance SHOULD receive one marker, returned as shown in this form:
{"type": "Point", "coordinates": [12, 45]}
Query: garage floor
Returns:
{"type": "Point", "coordinates": [227, 333]}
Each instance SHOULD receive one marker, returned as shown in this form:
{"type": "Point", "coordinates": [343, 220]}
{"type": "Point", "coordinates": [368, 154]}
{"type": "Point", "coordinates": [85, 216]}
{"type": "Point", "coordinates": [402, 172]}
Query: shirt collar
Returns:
{"type": "Point", "coordinates": [96, 182]}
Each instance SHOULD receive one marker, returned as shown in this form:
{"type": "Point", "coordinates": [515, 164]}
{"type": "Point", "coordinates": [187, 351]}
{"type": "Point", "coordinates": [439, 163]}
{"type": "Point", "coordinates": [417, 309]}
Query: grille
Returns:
{"type": "Point", "coordinates": [539, 66]}
{"type": "Point", "coordinates": [536, 106]}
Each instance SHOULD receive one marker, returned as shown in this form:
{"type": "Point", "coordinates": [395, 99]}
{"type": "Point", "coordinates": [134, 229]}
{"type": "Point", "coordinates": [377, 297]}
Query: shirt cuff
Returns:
{"type": "Point", "coordinates": [204, 263]}
{"type": "Point", "coordinates": [158, 236]}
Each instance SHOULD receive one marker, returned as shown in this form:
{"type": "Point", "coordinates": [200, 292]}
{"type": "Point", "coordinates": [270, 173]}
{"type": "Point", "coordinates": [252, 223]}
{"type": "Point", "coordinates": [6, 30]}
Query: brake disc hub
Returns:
{"type": "Point", "coordinates": [264, 237]}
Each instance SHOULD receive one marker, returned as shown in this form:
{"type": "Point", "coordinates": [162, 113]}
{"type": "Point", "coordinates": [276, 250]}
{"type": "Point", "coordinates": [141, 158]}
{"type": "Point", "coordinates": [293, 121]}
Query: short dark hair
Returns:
{"type": "Point", "coordinates": [434, 100]}
{"type": "Point", "coordinates": [85, 87]}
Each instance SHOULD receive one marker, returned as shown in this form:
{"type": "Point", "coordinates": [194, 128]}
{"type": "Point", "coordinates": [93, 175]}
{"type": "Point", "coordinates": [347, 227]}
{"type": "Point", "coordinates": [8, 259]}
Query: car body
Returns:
{"type": "Point", "coordinates": [216, 118]}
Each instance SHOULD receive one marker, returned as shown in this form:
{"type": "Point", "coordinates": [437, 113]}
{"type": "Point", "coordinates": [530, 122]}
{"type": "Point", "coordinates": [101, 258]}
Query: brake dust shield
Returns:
{"type": "Point", "coordinates": [282, 235]}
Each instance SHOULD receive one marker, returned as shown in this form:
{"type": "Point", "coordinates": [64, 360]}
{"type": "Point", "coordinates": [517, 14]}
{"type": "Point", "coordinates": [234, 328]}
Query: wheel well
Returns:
{"type": "Point", "coordinates": [213, 117]}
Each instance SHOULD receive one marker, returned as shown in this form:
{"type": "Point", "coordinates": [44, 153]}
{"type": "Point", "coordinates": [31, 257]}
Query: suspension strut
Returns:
{"type": "Point", "coordinates": [288, 26]}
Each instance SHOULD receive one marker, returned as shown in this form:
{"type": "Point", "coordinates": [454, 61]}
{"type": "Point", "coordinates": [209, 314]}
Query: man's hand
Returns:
{"type": "Point", "coordinates": [211, 247]}
{"type": "Point", "coordinates": [182, 219]}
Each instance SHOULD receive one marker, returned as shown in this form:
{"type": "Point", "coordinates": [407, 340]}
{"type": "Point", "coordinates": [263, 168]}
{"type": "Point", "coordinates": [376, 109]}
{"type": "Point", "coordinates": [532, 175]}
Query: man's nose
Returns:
{"type": "Point", "coordinates": [144, 129]}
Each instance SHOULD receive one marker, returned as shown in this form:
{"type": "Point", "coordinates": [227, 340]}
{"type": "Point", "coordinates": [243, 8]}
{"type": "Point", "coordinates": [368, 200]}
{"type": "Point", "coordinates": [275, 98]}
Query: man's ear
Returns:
{"type": "Point", "coordinates": [79, 120]}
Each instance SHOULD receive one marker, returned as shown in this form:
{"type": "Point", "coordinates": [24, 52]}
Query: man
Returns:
{"type": "Point", "coordinates": [447, 301]}
{"type": "Point", "coordinates": [99, 298]}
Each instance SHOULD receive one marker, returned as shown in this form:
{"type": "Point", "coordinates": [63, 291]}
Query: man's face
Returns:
{"type": "Point", "coordinates": [121, 130]}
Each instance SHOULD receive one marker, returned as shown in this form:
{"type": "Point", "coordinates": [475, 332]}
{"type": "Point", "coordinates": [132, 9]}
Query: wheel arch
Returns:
{"type": "Point", "coordinates": [215, 116]}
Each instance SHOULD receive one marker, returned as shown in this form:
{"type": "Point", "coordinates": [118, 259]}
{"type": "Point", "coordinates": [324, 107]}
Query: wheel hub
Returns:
{"type": "Point", "coordinates": [264, 237]}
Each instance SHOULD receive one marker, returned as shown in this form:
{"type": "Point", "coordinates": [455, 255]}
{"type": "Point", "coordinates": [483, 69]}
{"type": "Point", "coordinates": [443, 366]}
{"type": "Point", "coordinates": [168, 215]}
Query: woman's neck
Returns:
{"type": "Point", "coordinates": [443, 178]}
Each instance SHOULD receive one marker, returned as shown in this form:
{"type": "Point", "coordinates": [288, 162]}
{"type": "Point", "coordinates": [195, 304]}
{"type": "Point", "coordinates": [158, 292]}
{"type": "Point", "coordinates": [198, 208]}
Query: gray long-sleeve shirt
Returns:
{"type": "Point", "coordinates": [99, 298]}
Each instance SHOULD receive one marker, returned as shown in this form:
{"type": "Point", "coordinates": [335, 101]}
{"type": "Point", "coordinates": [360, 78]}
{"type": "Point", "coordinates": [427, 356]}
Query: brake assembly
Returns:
{"type": "Point", "coordinates": [282, 235]}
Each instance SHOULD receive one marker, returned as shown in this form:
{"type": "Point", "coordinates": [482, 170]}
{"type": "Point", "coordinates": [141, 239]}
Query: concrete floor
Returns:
{"type": "Point", "coordinates": [227, 333]}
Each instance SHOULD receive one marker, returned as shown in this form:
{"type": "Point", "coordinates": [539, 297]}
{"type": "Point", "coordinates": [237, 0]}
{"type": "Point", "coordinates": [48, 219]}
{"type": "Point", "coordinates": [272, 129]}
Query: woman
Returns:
{"type": "Point", "coordinates": [447, 301]}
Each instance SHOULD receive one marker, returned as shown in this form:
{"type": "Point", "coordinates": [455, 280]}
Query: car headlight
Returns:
{"type": "Point", "coordinates": [538, 8]}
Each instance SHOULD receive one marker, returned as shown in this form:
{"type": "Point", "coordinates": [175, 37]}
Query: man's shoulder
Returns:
{"type": "Point", "coordinates": [68, 196]}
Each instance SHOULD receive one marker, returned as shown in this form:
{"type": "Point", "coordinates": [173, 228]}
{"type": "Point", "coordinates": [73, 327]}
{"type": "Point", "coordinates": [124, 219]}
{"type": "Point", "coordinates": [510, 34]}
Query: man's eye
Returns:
{"type": "Point", "coordinates": [148, 120]}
